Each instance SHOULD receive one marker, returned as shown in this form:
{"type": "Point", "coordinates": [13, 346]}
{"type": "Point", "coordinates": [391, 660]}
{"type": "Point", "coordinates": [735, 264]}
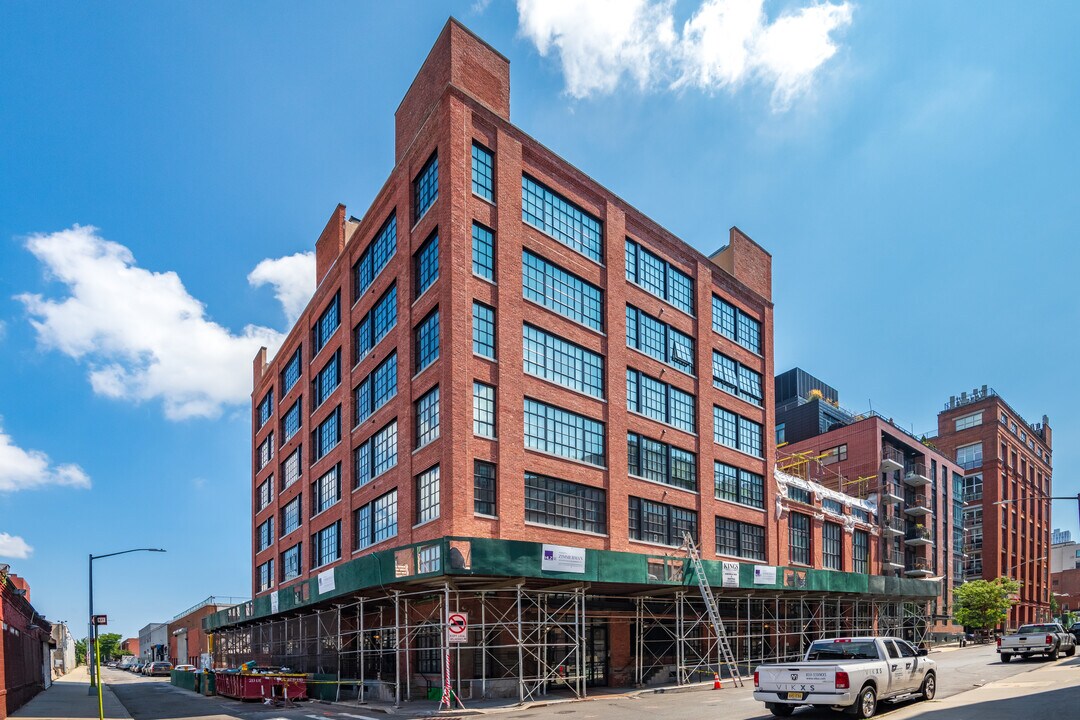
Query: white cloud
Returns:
{"type": "Point", "coordinates": [13, 546]}
{"type": "Point", "coordinates": [724, 45]}
{"type": "Point", "coordinates": [293, 279]}
{"type": "Point", "coordinates": [25, 469]}
{"type": "Point", "coordinates": [141, 334]}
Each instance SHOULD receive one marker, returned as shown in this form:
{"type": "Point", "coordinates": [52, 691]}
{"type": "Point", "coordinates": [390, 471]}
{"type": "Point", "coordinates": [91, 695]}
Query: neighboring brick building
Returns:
{"type": "Point", "coordinates": [1006, 460]}
{"type": "Point", "coordinates": [25, 641]}
{"type": "Point", "coordinates": [512, 381]}
{"type": "Point", "coordinates": [130, 645]}
{"type": "Point", "coordinates": [916, 488]}
{"type": "Point", "coordinates": [187, 641]}
{"type": "Point", "coordinates": [1065, 585]}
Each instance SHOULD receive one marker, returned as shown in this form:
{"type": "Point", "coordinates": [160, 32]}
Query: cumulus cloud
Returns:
{"type": "Point", "coordinates": [140, 333]}
{"type": "Point", "coordinates": [293, 280]}
{"type": "Point", "coordinates": [13, 546]}
{"type": "Point", "coordinates": [724, 44]}
{"type": "Point", "coordinates": [25, 469]}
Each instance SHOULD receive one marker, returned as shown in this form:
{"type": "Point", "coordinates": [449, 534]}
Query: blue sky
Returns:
{"type": "Point", "coordinates": [911, 167]}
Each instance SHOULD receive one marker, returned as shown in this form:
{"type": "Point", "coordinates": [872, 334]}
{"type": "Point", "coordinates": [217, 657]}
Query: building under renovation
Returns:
{"type": "Point", "coordinates": [513, 396]}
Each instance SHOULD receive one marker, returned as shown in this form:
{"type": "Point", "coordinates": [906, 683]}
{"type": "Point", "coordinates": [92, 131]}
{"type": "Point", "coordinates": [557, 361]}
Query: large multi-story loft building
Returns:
{"type": "Point", "coordinates": [1007, 469]}
{"type": "Point", "coordinates": [916, 488]}
{"type": "Point", "coordinates": [511, 396]}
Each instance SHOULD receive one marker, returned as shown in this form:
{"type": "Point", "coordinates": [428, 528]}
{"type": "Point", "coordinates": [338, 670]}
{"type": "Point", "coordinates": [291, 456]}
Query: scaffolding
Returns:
{"type": "Point", "coordinates": [525, 642]}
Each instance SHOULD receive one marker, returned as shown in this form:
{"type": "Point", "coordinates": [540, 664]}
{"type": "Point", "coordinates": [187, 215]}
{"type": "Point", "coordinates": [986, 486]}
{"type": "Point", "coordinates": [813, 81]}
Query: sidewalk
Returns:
{"type": "Point", "coordinates": [69, 697]}
{"type": "Point", "coordinates": [1040, 692]}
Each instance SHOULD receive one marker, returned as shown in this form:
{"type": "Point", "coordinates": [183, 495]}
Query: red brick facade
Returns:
{"type": "Point", "coordinates": [461, 96]}
{"type": "Point", "coordinates": [1015, 467]}
{"type": "Point", "coordinates": [23, 649]}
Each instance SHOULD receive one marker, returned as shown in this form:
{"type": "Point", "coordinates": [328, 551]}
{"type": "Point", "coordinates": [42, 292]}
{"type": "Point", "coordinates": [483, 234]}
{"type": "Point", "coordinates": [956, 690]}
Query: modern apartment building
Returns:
{"type": "Point", "coordinates": [1007, 485]}
{"type": "Point", "coordinates": [917, 489]}
{"type": "Point", "coordinates": [510, 397]}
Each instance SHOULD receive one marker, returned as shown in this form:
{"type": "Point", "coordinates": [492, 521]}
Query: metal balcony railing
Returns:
{"type": "Point", "coordinates": [918, 533]}
{"type": "Point", "coordinates": [892, 558]}
{"type": "Point", "coordinates": [894, 523]}
{"type": "Point", "coordinates": [892, 455]}
{"type": "Point", "coordinates": [918, 565]}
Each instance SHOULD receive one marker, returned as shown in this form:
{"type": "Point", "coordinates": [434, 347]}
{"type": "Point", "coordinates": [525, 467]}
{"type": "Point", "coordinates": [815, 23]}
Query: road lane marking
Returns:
{"type": "Point", "coordinates": [361, 717]}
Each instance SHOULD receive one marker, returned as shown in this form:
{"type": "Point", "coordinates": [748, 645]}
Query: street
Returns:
{"type": "Point", "coordinates": [959, 671]}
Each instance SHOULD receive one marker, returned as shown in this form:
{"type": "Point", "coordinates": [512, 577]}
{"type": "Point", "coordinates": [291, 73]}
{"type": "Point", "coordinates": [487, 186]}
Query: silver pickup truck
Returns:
{"type": "Point", "coordinates": [1047, 639]}
{"type": "Point", "coordinates": [851, 674]}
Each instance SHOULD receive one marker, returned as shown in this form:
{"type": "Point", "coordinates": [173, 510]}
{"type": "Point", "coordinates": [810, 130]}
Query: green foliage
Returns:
{"type": "Point", "coordinates": [80, 652]}
{"type": "Point", "coordinates": [984, 604]}
{"type": "Point", "coordinates": [109, 645]}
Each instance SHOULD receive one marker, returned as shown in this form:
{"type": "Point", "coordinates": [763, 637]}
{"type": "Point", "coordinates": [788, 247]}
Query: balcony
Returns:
{"type": "Point", "coordinates": [892, 526]}
{"type": "Point", "coordinates": [891, 459]}
{"type": "Point", "coordinates": [917, 536]}
{"type": "Point", "coordinates": [892, 561]}
{"type": "Point", "coordinates": [919, 568]}
{"type": "Point", "coordinates": [891, 492]}
{"type": "Point", "coordinates": [919, 505]}
{"type": "Point", "coordinates": [915, 475]}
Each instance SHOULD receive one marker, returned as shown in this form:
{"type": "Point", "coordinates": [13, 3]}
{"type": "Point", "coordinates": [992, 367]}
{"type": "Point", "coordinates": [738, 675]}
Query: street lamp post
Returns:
{"type": "Point", "coordinates": [94, 665]}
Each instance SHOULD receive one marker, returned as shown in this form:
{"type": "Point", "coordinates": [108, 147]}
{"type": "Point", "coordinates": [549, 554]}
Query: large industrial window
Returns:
{"type": "Point", "coordinates": [736, 325]}
{"type": "Point", "coordinates": [427, 341]}
{"type": "Point", "coordinates": [375, 456]}
{"type": "Point", "coordinates": [561, 432]}
{"type": "Point", "coordinates": [737, 432]}
{"type": "Point", "coordinates": [483, 488]}
{"type": "Point", "coordinates": [483, 252]}
{"type": "Point", "coordinates": [560, 291]}
{"type": "Point", "coordinates": [658, 400]}
{"type": "Point", "coordinates": [265, 531]}
{"type": "Point", "coordinates": [326, 490]}
{"type": "Point", "coordinates": [326, 325]}
{"type": "Point", "coordinates": [739, 539]}
{"type": "Point", "coordinates": [969, 421]}
{"type": "Point", "coordinates": [291, 374]}
{"type": "Point", "coordinates": [375, 324]}
{"type": "Point", "coordinates": [799, 538]}
{"type": "Point", "coordinates": [560, 361]}
{"type": "Point", "coordinates": [483, 410]}
{"type": "Point", "coordinates": [830, 545]}
{"type": "Point", "coordinates": [427, 495]}
{"type": "Point", "coordinates": [970, 456]}
{"type": "Point", "coordinates": [290, 424]}
{"type": "Point", "coordinates": [326, 545]}
{"type": "Point", "coordinates": [291, 516]}
{"type": "Point", "coordinates": [483, 172]}
{"type": "Point", "coordinates": [659, 277]}
{"type": "Point", "coordinates": [738, 486]}
{"type": "Point", "coordinates": [483, 330]}
{"type": "Point", "coordinates": [291, 563]}
{"type": "Point", "coordinates": [660, 462]}
{"type": "Point", "coordinates": [426, 187]}
{"type": "Point", "coordinates": [376, 521]}
{"type": "Point", "coordinates": [327, 435]}
{"type": "Point", "coordinates": [426, 264]}
{"type": "Point", "coordinates": [561, 219]}
{"type": "Point", "coordinates": [563, 504]}
{"type": "Point", "coordinates": [427, 417]}
{"type": "Point", "coordinates": [327, 380]}
{"type": "Point", "coordinates": [291, 469]}
{"type": "Point", "coordinates": [375, 257]}
{"type": "Point", "coordinates": [266, 407]}
{"type": "Point", "coordinates": [266, 575]}
{"type": "Point", "coordinates": [375, 390]}
{"type": "Point", "coordinates": [860, 551]}
{"type": "Point", "coordinates": [659, 340]}
{"type": "Point", "coordinates": [659, 523]}
{"type": "Point", "coordinates": [266, 451]}
{"type": "Point", "coordinates": [266, 492]}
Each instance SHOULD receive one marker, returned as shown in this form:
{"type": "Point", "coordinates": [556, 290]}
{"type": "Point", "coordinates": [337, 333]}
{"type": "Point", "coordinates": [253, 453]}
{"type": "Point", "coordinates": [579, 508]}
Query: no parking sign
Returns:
{"type": "Point", "coordinates": [457, 628]}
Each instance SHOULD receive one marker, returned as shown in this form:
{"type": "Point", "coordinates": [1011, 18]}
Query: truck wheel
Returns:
{"type": "Point", "coordinates": [1052, 655]}
{"type": "Point", "coordinates": [780, 710]}
{"type": "Point", "coordinates": [866, 704]}
{"type": "Point", "coordinates": [1005, 657]}
{"type": "Point", "coordinates": [929, 686]}
{"type": "Point", "coordinates": [1071, 651]}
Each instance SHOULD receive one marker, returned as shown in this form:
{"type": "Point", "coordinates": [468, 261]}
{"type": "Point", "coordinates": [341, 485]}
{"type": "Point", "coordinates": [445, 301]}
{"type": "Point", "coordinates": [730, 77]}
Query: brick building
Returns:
{"type": "Point", "coordinates": [513, 390]}
{"type": "Point", "coordinates": [1007, 483]}
{"type": "Point", "coordinates": [916, 488]}
{"type": "Point", "coordinates": [187, 641]}
{"type": "Point", "coordinates": [25, 645]}
{"type": "Point", "coordinates": [130, 645]}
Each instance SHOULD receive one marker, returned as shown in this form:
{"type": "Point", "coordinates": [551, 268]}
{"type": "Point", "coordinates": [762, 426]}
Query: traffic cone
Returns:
{"type": "Point", "coordinates": [716, 684]}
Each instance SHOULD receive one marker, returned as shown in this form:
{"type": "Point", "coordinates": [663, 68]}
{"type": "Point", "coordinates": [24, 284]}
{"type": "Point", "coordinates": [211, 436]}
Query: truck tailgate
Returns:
{"type": "Point", "coordinates": [798, 677]}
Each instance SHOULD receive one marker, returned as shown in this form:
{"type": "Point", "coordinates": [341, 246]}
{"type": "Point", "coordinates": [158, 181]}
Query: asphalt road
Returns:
{"type": "Point", "coordinates": [155, 699]}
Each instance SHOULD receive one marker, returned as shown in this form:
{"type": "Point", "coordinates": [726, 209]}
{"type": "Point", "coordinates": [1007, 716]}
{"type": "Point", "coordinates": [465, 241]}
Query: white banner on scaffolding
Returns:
{"type": "Point", "coordinates": [273, 603]}
{"type": "Point", "coordinates": [559, 558]}
{"type": "Point", "coordinates": [326, 581]}
{"type": "Point", "coordinates": [730, 575]}
{"type": "Point", "coordinates": [764, 575]}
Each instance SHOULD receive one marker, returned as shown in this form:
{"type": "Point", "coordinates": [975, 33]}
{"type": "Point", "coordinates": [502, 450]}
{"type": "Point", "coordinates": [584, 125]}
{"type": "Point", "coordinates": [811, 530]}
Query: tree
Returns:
{"type": "Point", "coordinates": [984, 604]}
{"type": "Point", "coordinates": [80, 652]}
{"type": "Point", "coordinates": [109, 644]}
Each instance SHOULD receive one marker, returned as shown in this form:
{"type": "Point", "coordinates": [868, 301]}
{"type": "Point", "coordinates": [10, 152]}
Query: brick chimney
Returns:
{"type": "Point", "coordinates": [747, 262]}
{"type": "Point", "coordinates": [330, 243]}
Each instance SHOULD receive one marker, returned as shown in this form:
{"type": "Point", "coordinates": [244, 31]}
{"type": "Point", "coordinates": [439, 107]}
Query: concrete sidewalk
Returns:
{"type": "Point", "coordinates": [69, 697]}
{"type": "Point", "coordinates": [1050, 691]}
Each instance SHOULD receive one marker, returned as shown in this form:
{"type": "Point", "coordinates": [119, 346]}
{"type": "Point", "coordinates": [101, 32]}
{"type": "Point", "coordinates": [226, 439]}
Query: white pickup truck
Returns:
{"type": "Point", "coordinates": [1047, 639]}
{"type": "Point", "coordinates": [851, 674]}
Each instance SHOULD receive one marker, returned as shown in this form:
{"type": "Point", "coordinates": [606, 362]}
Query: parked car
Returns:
{"type": "Point", "coordinates": [852, 674]}
{"type": "Point", "coordinates": [136, 666]}
{"type": "Point", "coordinates": [159, 668]}
{"type": "Point", "coordinates": [1046, 639]}
{"type": "Point", "coordinates": [1075, 630]}
{"type": "Point", "coordinates": [186, 668]}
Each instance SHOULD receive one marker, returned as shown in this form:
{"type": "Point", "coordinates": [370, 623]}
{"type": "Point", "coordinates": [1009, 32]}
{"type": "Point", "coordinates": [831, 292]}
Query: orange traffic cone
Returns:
{"type": "Point", "coordinates": [716, 684]}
